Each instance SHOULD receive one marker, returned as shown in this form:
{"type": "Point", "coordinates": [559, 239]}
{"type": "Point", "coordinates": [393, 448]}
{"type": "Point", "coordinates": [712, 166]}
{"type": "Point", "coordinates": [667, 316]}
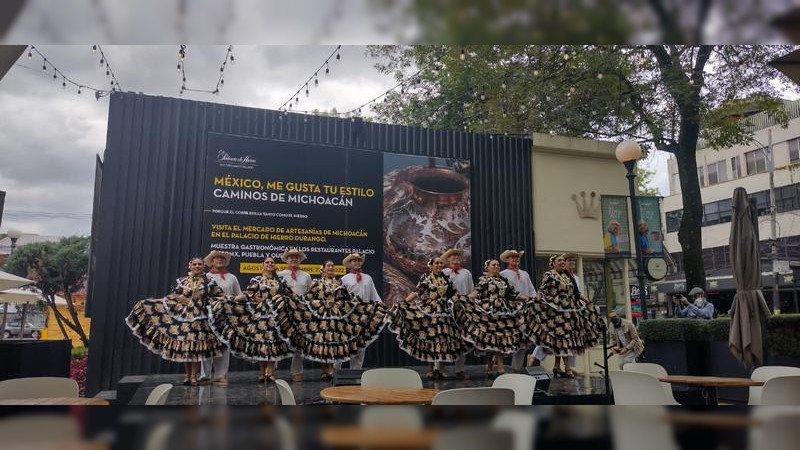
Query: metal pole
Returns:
{"type": "Point", "coordinates": [5, 315]}
{"type": "Point", "coordinates": [776, 300]}
{"type": "Point", "coordinates": [22, 321]}
{"type": "Point", "coordinates": [630, 165]}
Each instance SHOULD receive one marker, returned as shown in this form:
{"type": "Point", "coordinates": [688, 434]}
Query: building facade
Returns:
{"type": "Point", "coordinates": [747, 166]}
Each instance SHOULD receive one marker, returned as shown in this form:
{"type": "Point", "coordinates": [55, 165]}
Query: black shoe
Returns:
{"type": "Point", "coordinates": [186, 381]}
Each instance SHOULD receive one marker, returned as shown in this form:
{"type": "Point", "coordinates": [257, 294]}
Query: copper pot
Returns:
{"type": "Point", "coordinates": [430, 213]}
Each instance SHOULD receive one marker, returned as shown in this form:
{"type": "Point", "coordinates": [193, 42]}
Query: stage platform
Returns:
{"type": "Point", "coordinates": [244, 389]}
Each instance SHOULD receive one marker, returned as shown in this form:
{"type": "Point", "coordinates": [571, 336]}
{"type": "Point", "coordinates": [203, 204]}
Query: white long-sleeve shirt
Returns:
{"type": "Point", "coordinates": [301, 285]}
{"type": "Point", "coordinates": [462, 281]}
{"type": "Point", "coordinates": [230, 285]}
{"type": "Point", "coordinates": [364, 289]}
{"type": "Point", "coordinates": [521, 282]}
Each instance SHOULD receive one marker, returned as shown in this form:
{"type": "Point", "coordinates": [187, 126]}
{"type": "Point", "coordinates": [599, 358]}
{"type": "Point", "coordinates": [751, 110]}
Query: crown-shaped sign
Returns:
{"type": "Point", "coordinates": [587, 209]}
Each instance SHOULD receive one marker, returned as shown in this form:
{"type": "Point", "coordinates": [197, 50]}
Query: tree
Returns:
{"type": "Point", "coordinates": [664, 96]}
{"type": "Point", "coordinates": [644, 177]}
{"type": "Point", "coordinates": [57, 268]}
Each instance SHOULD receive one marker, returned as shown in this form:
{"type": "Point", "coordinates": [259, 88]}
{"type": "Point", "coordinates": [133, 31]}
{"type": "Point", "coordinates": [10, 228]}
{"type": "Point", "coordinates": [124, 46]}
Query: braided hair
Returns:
{"type": "Point", "coordinates": [552, 263]}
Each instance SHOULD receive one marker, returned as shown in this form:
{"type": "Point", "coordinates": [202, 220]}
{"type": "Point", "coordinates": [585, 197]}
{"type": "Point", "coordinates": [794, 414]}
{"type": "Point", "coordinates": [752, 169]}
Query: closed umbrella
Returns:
{"type": "Point", "coordinates": [749, 309]}
{"type": "Point", "coordinates": [9, 281]}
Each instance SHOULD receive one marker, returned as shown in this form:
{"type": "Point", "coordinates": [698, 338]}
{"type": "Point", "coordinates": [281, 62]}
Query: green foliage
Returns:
{"type": "Point", "coordinates": [54, 266]}
{"type": "Point", "coordinates": [782, 336]}
{"type": "Point", "coordinates": [644, 177]}
{"type": "Point", "coordinates": [77, 352]}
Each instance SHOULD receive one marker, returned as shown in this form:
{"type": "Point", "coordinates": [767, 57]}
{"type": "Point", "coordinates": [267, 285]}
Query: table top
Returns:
{"type": "Point", "coordinates": [379, 395]}
{"type": "Point", "coordinates": [355, 436]}
{"type": "Point", "coordinates": [54, 401]}
{"type": "Point", "coordinates": [711, 420]}
{"type": "Point", "coordinates": [691, 380]}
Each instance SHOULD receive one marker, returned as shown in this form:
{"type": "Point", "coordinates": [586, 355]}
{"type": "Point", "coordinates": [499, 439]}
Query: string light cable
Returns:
{"type": "Point", "coordinates": [294, 99]}
{"type": "Point", "coordinates": [220, 79]}
{"type": "Point", "coordinates": [48, 66]}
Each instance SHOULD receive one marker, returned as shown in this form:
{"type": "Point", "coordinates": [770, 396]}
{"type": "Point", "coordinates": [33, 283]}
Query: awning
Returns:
{"type": "Point", "coordinates": [8, 281]}
{"type": "Point", "coordinates": [789, 65]}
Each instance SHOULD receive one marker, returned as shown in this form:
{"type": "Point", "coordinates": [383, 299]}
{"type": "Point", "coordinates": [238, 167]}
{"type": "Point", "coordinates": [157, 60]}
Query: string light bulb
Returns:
{"type": "Point", "coordinates": [63, 82]}
{"type": "Point", "coordinates": [691, 81]}
{"type": "Point", "coordinates": [327, 70]}
{"type": "Point", "coordinates": [44, 66]}
{"type": "Point", "coordinates": [102, 61]}
{"type": "Point", "coordinates": [306, 90]}
{"type": "Point", "coordinates": [179, 67]}
{"type": "Point", "coordinates": [463, 55]}
{"type": "Point", "coordinates": [316, 80]}
{"type": "Point", "coordinates": [221, 81]}
{"type": "Point", "coordinates": [94, 48]}
{"type": "Point", "coordinates": [54, 74]}
{"type": "Point", "coordinates": [503, 85]}
{"type": "Point", "coordinates": [599, 76]}
{"type": "Point", "coordinates": [79, 90]}
{"type": "Point", "coordinates": [30, 55]}
{"type": "Point", "coordinates": [566, 56]}
{"type": "Point", "coordinates": [536, 73]}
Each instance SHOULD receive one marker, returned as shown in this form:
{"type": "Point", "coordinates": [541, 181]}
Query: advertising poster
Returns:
{"type": "Point", "coordinates": [426, 210]}
{"type": "Point", "coordinates": [263, 196]}
{"type": "Point", "coordinates": [648, 230]}
{"type": "Point", "coordinates": [616, 235]}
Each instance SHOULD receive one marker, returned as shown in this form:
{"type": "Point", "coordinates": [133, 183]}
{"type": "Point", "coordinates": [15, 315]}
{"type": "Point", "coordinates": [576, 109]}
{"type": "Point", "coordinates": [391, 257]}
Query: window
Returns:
{"type": "Point", "coordinates": [711, 213]}
{"type": "Point", "coordinates": [725, 210]}
{"type": "Point", "coordinates": [794, 149]}
{"type": "Point", "coordinates": [756, 161]}
{"type": "Point", "coordinates": [787, 198]}
{"type": "Point", "coordinates": [762, 201]}
{"type": "Point", "coordinates": [737, 168]}
{"type": "Point", "coordinates": [717, 172]}
{"type": "Point", "coordinates": [673, 220]}
{"type": "Point", "coordinates": [701, 177]}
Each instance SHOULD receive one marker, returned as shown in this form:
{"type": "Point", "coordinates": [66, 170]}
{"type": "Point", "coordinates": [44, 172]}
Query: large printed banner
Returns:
{"type": "Point", "coordinates": [616, 233]}
{"type": "Point", "coordinates": [648, 230]}
{"type": "Point", "coordinates": [264, 196]}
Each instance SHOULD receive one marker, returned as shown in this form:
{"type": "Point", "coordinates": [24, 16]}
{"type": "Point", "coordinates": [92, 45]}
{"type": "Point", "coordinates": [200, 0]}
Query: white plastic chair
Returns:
{"type": "Point", "coordinates": [522, 385]}
{"type": "Point", "coordinates": [38, 429]}
{"type": "Point", "coordinates": [656, 370]}
{"type": "Point", "coordinates": [391, 377]}
{"type": "Point", "coordinates": [522, 425]}
{"type": "Point", "coordinates": [159, 394]}
{"type": "Point", "coordinates": [38, 387]}
{"type": "Point", "coordinates": [782, 391]}
{"type": "Point", "coordinates": [641, 427]}
{"type": "Point", "coordinates": [473, 439]}
{"type": "Point", "coordinates": [777, 428]}
{"type": "Point", "coordinates": [287, 396]}
{"type": "Point", "coordinates": [475, 396]}
{"type": "Point", "coordinates": [634, 388]}
{"type": "Point", "coordinates": [158, 438]}
{"type": "Point", "coordinates": [392, 416]}
{"type": "Point", "coordinates": [764, 373]}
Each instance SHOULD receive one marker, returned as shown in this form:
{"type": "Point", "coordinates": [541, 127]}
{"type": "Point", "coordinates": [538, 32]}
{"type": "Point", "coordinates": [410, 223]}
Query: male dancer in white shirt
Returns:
{"type": "Point", "coordinates": [464, 285]}
{"type": "Point", "coordinates": [361, 285]}
{"type": "Point", "coordinates": [522, 283]}
{"type": "Point", "coordinates": [299, 282]}
{"type": "Point", "coordinates": [218, 262]}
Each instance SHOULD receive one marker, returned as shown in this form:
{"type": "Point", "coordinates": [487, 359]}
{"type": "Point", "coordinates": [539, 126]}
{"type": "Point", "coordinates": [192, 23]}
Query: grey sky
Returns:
{"type": "Point", "coordinates": [49, 135]}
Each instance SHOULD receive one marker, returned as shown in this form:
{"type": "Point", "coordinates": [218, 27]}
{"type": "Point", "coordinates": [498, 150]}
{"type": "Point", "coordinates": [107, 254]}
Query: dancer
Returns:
{"type": "Point", "coordinates": [218, 263]}
{"type": "Point", "coordinates": [247, 324]}
{"type": "Point", "coordinates": [360, 285]}
{"type": "Point", "coordinates": [560, 322]}
{"type": "Point", "coordinates": [176, 327]}
{"type": "Point", "coordinates": [426, 328]}
{"type": "Point", "coordinates": [299, 282]}
{"type": "Point", "coordinates": [329, 325]}
{"type": "Point", "coordinates": [492, 317]}
{"type": "Point", "coordinates": [462, 282]}
{"type": "Point", "coordinates": [523, 284]}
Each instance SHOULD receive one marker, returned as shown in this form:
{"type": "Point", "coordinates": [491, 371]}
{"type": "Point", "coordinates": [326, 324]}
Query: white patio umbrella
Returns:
{"type": "Point", "coordinates": [16, 296]}
{"type": "Point", "coordinates": [8, 281]}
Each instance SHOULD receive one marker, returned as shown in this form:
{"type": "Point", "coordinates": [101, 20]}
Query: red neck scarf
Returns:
{"type": "Point", "coordinates": [455, 269]}
{"type": "Point", "coordinates": [294, 274]}
{"type": "Point", "coordinates": [516, 271]}
{"type": "Point", "coordinates": [221, 272]}
{"type": "Point", "coordinates": [358, 274]}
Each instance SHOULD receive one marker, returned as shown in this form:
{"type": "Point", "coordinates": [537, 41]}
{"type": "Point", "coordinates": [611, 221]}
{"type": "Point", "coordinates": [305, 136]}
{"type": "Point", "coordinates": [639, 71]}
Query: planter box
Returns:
{"type": "Point", "coordinates": [679, 358]}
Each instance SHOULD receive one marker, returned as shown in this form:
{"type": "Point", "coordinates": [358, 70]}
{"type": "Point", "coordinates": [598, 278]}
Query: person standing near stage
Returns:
{"type": "Point", "coordinates": [463, 284]}
{"type": "Point", "coordinates": [625, 341]}
{"type": "Point", "coordinates": [246, 324]}
{"type": "Point", "coordinates": [359, 285]}
{"type": "Point", "coordinates": [560, 322]}
{"type": "Point", "coordinates": [523, 284]}
{"type": "Point", "coordinates": [218, 263]}
{"type": "Point", "coordinates": [329, 325]}
{"type": "Point", "coordinates": [492, 317]}
{"type": "Point", "coordinates": [176, 327]}
{"type": "Point", "coordinates": [299, 282]}
{"type": "Point", "coordinates": [424, 323]}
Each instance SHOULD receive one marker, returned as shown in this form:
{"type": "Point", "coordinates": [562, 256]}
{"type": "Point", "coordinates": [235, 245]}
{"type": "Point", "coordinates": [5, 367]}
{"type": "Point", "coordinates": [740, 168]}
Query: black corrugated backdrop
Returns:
{"type": "Point", "coordinates": [149, 211]}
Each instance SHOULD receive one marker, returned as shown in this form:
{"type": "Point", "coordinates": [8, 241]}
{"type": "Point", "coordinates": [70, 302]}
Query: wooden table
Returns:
{"type": "Point", "coordinates": [379, 395]}
{"type": "Point", "coordinates": [360, 437]}
{"type": "Point", "coordinates": [711, 420]}
{"type": "Point", "coordinates": [54, 401]}
{"type": "Point", "coordinates": [709, 385]}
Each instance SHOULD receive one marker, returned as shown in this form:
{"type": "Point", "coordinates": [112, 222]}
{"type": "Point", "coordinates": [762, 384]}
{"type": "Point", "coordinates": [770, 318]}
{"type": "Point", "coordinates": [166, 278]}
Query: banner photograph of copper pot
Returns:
{"type": "Point", "coordinates": [426, 210]}
{"type": "Point", "coordinates": [263, 196]}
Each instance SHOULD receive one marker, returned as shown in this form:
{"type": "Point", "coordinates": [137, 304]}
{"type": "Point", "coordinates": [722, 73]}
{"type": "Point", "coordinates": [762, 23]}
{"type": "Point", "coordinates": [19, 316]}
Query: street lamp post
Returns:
{"type": "Point", "coordinates": [13, 234]}
{"type": "Point", "coordinates": [628, 152]}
